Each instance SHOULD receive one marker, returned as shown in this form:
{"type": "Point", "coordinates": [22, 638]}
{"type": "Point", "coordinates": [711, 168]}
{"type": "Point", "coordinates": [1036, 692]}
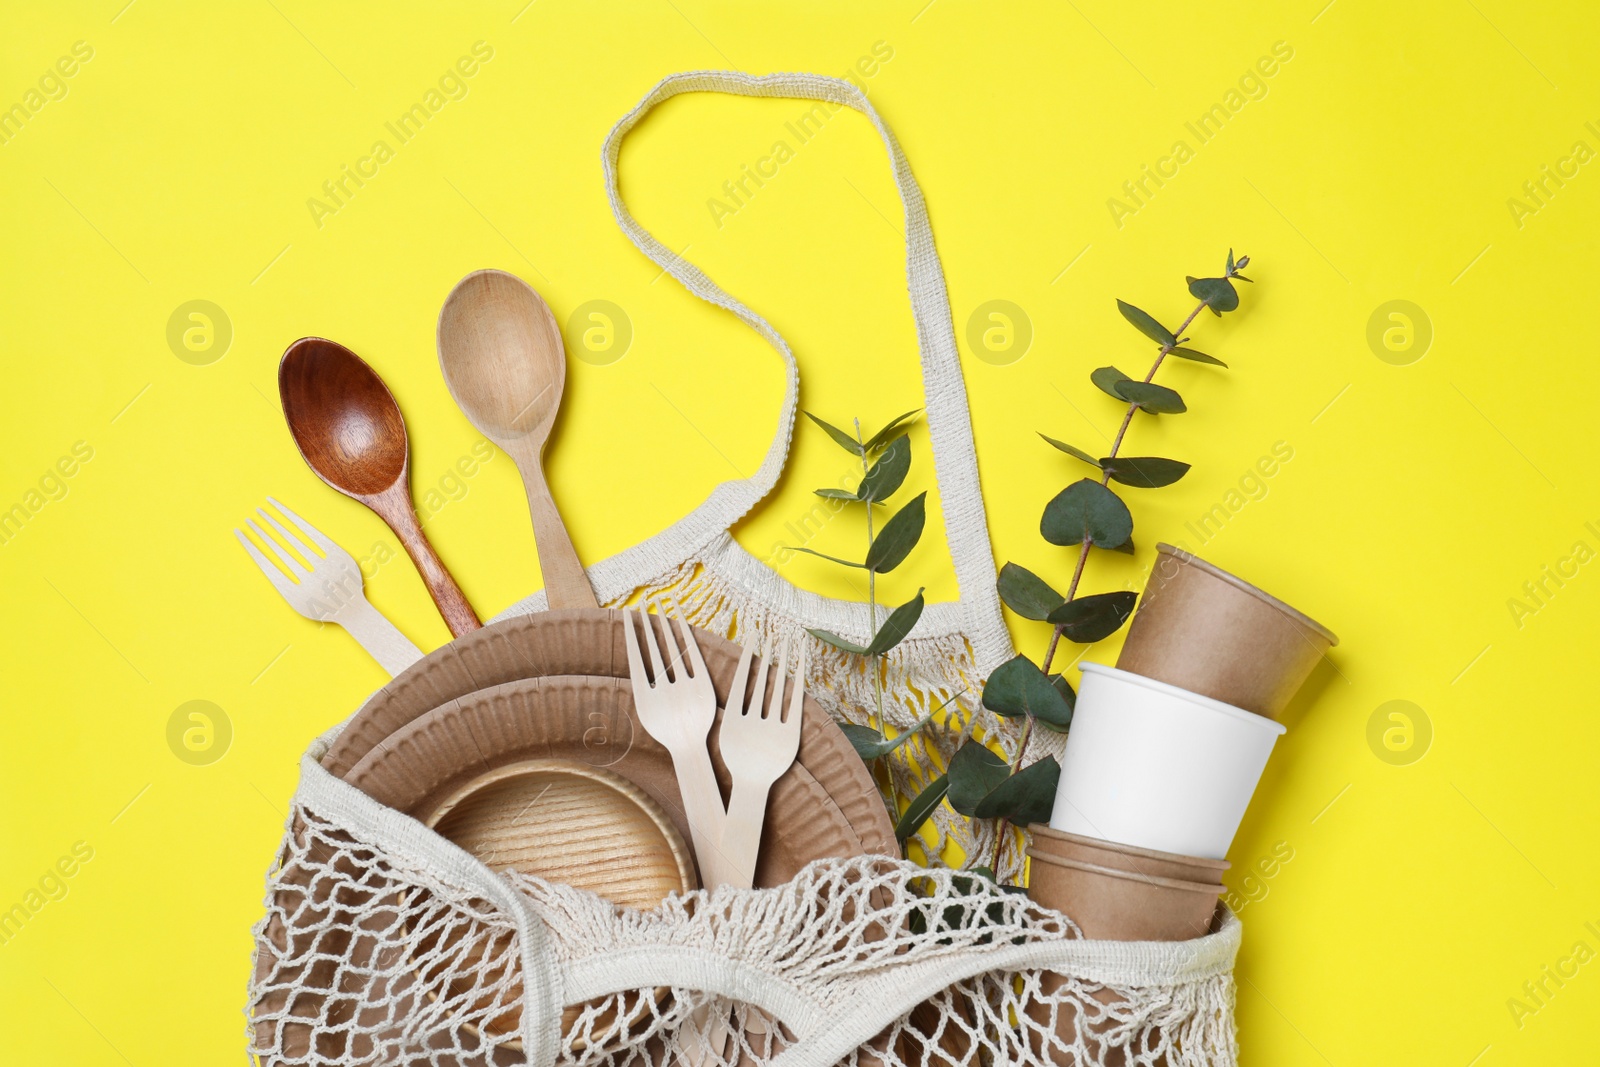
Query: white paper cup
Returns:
{"type": "Point", "coordinates": [1154, 766]}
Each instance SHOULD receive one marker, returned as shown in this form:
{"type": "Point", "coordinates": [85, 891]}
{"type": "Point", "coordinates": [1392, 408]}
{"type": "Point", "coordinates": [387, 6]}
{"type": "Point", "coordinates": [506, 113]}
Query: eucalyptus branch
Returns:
{"type": "Point", "coordinates": [1086, 514]}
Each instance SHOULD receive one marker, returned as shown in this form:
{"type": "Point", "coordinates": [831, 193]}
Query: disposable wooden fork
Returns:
{"type": "Point", "coordinates": [678, 710]}
{"type": "Point", "coordinates": [758, 744]}
{"type": "Point", "coordinates": [327, 586]}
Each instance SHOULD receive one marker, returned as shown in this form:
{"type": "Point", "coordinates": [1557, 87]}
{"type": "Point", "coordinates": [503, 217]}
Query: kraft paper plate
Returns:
{"type": "Point", "coordinates": [589, 642]}
{"type": "Point", "coordinates": [590, 721]}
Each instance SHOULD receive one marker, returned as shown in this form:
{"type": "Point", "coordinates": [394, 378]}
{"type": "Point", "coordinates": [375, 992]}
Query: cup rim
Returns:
{"type": "Point", "coordinates": [1189, 559]}
{"type": "Point", "coordinates": [1129, 850]}
{"type": "Point", "coordinates": [1212, 889]}
{"type": "Point", "coordinates": [1199, 700]}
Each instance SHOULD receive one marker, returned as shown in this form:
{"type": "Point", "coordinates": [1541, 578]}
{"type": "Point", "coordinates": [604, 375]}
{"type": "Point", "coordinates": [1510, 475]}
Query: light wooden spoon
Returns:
{"type": "Point", "coordinates": [503, 360]}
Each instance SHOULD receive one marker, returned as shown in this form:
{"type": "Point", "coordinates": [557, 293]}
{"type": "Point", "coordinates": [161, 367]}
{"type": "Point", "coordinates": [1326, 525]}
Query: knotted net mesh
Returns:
{"type": "Point", "coordinates": [368, 954]}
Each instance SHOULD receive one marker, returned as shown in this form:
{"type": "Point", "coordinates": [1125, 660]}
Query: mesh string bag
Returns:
{"type": "Point", "coordinates": [383, 943]}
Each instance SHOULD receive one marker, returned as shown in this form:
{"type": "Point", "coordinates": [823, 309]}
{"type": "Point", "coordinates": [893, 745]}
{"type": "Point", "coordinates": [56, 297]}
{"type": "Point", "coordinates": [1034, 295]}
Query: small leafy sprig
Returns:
{"type": "Point", "coordinates": [1087, 513]}
{"type": "Point", "coordinates": [885, 461]}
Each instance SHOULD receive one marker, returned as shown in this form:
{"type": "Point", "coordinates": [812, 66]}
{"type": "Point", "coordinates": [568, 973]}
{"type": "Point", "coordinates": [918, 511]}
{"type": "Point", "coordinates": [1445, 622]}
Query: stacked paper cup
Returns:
{"type": "Point", "coordinates": [1165, 752]}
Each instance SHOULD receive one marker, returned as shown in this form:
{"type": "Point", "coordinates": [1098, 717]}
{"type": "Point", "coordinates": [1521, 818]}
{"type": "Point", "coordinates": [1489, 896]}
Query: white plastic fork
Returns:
{"type": "Point", "coordinates": [678, 710]}
{"type": "Point", "coordinates": [758, 744]}
{"type": "Point", "coordinates": [327, 587]}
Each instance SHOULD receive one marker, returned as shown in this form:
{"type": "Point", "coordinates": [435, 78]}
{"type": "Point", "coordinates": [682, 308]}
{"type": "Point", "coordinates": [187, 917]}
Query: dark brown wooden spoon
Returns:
{"type": "Point", "coordinates": [350, 432]}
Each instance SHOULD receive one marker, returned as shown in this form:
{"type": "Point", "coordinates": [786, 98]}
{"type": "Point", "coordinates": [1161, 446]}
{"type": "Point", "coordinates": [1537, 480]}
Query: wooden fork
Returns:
{"type": "Point", "coordinates": [758, 744]}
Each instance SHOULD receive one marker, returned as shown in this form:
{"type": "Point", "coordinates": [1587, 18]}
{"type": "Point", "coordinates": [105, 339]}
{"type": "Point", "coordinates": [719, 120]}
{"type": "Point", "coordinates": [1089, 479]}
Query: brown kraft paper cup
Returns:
{"type": "Point", "coordinates": [1141, 861]}
{"type": "Point", "coordinates": [1112, 905]}
{"type": "Point", "coordinates": [1205, 630]}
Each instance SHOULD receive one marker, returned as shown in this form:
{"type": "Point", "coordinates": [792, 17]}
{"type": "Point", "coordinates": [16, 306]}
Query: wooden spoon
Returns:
{"type": "Point", "coordinates": [502, 357]}
{"type": "Point", "coordinates": [349, 431]}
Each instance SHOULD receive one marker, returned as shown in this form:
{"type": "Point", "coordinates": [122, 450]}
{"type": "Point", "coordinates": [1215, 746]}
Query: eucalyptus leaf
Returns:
{"type": "Point", "coordinates": [876, 441]}
{"type": "Point", "coordinates": [1218, 293]}
{"type": "Point", "coordinates": [1108, 379]}
{"type": "Point", "coordinates": [869, 746]}
{"type": "Point", "coordinates": [1070, 449]}
{"type": "Point", "coordinates": [1156, 399]}
{"type": "Point", "coordinates": [1144, 472]}
{"type": "Point", "coordinates": [898, 536]}
{"type": "Point", "coordinates": [1126, 548]}
{"type": "Point", "coordinates": [828, 637]}
{"type": "Point", "coordinates": [1146, 324]}
{"type": "Point", "coordinates": [836, 494]}
{"type": "Point", "coordinates": [1087, 619]}
{"type": "Point", "coordinates": [1027, 594]}
{"type": "Point", "coordinates": [975, 771]}
{"type": "Point", "coordinates": [886, 475]}
{"type": "Point", "coordinates": [1018, 687]}
{"type": "Point", "coordinates": [846, 441]}
{"type": "Point", "coordinates": [824, 555]}
{"type": "Point", "coordinates": [921, 807]}
{"type": "Point", "coordinates": [896, 626]}
{"type": "Point", "coordinates": [1230, 261]}
{"type": "Point", "coordinates": [1198, 357]}
{"type": "Point", "coordinates": [1064, 687]}
{"type": "Point", "coordinates": [1086, 511]}
{"type": "Point", "coordinates": [1029, 796]}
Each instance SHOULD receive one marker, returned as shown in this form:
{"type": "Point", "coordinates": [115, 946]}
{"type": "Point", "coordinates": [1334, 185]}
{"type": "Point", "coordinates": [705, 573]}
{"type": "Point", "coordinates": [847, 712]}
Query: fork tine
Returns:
{"type": "Point", "coordinates": [635, 661]}
{"type": "Point", "coordinates": [741, 680]}
{"type": "Point", "coordinates": [290, 564]}
{"type": "Point", "coordinates": [284, 587]}
{"type": "Point", "coordinates": [670, 648]}
{"type": "Point", "coordinates": [691, 646]}
{"type": "Point", "coordinates": [656, 669]}
{"type": "Point", "coordinates": [797, 698]}
{"type": "Point", "coordinates": [774, 708]}
{"type": "Point", "coordinates": [758, 692]}
{"type": "Point", "coordinates": [320, 539]}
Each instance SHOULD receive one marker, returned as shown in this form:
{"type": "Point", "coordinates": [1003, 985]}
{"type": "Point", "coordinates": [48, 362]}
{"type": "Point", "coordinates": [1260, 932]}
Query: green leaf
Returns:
{"type": "Point", "coordinates": [1198, 357]}
{"type": "Point", "coordinates": [1071, 450]}
{"type": "Point", "coordinates": [984, 872]}
{"type": "Point", "coordinates": [1088, 619]}
{"type": "Point", "coordinates": [887, 473]}
{"type": "Point", "coordinates": [1108, 378]}
{"type": "Point", "coordinates": [921, 807]}
{"type": "Point", "coordinates": [1018, 687]}
{"type": "Point", "coordinates": [836, 494]}
{"type": "Point", "coordinates": [898, 536]}
{"type": "Point", "coordinates": [1064, 687]}
{"type": "Point", "coordinates": [896, 626]}
{"type": "Point", "coordinates": [975, 770]}
{"type": "Point", "coordinates": [1126, 548]}
{"type": "Point", "coordinates": [876, 441]}
{"type": "Point", "coordinates": [830, 638]}
{"type": "Point", "coordinates": [1218, 293]}
{"type": "Point", "coordinates": [1144, 472]}
{"type": "Point", "coordinates": [1086, 511]}
{"type": "Point", "coordinates": [1230, 261]}
{"type": "Point", "coordinates": [1029, 796]}
{"type": "Point", "coordinates": [1027, 594]}
{"type": "Point", "coordinates": [869, 746]}
{"type": "Point", "coordinates": [1156, 399]}
{"type": "Point", "coordinates": [846, 441]}
{"type": "Point", "coordinates": [824, 555]}
{"type": "Point", "coordinates": [1146, 324]}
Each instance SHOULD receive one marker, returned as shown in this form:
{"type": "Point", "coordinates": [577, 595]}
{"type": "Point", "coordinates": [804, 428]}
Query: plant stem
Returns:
{"type": "Point", "coordinates": [1105, 477]}
{"type": "Point", "coordinates": [1077, 573]}
{"type": "Point", "coordinates": [872, 615]}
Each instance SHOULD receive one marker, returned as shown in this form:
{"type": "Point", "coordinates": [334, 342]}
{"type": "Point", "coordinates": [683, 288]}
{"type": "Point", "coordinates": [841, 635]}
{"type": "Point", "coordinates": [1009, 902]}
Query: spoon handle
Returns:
{"type": "Point", "coordinates": [396, 510]}
{"type": "Point", "coordinates": [565, 584]}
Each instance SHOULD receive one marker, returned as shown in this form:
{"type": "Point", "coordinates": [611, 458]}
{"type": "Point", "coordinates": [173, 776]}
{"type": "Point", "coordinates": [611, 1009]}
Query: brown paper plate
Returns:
{"type": "Point", "coordinates": [591, 721]}
{"type": "Point", "coordinates": [588, 642]}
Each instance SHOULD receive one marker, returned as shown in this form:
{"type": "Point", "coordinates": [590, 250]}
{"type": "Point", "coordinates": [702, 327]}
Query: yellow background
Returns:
{"type": "Point", "coordinates": [1377, 166]}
